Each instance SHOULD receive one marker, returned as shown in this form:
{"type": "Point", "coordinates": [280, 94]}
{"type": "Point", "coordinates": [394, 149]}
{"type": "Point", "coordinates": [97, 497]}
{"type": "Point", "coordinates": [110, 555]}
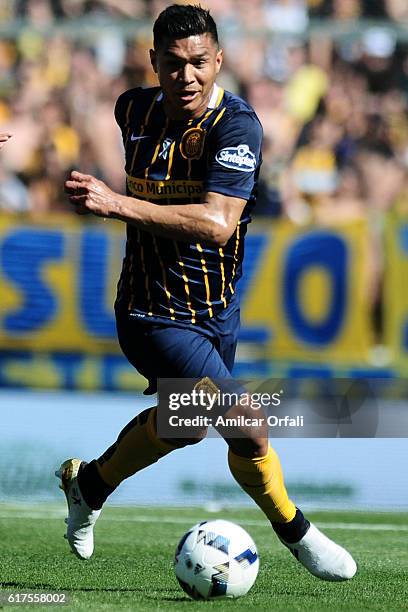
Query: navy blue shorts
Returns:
{"type": "Point", "coordinates": [168, 350]}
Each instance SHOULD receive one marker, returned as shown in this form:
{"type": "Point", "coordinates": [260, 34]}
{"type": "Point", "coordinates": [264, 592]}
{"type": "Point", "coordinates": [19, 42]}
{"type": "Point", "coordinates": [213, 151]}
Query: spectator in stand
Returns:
{"type": "Point", "coordinates": [57, 91]}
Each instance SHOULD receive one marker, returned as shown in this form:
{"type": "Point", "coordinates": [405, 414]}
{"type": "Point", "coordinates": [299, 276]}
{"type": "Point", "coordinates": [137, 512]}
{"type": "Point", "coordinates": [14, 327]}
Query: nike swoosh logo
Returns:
{"type": "Point", "coordinates": [132, 138]}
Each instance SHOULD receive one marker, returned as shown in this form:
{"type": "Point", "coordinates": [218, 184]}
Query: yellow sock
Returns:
{"type": "Point", "coordinates": [262, 479]}
{"type": "Point", "coordinates": [136, 447]}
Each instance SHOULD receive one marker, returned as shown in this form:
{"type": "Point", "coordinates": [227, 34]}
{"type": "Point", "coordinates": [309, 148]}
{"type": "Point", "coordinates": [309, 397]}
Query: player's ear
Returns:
{"type": "Point", "coordinates": [153, 59]}
{"type": "Point", "coordinates": [218, 60]}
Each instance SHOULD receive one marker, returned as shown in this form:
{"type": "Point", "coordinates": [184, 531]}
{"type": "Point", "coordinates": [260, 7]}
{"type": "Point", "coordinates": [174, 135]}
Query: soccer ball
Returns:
{"type": "Point", "coordinates": [216, 559]}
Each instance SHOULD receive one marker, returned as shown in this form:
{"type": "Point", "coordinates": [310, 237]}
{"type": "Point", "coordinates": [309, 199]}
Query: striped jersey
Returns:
{"type": "Point", "coordinates": [176, 162]}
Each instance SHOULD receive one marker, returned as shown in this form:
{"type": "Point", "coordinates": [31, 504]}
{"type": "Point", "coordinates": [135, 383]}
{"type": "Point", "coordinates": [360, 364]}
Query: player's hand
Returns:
{"type": "Point", "coordinates": [4, 137]}
{"type": "Point", "coordinates": [90, 195]}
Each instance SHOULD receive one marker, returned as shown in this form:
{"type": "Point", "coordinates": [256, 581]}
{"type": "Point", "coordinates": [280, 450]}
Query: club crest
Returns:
{"type": "Point", "coordinates": [192, 143]}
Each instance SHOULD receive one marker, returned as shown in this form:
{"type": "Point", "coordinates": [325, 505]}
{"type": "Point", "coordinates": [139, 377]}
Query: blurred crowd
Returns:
{"type": "Point", "coordinates": [333, 107]}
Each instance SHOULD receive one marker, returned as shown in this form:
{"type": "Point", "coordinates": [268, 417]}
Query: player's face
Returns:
{"type": "Point", "coordinates": [187, 69]}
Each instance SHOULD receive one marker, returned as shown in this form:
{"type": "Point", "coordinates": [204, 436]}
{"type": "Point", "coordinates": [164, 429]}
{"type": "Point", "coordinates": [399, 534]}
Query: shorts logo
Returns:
{"type": "Point", "coordinates": [237, 158]}
{"type": "Point", "coordinates": [192, 143]}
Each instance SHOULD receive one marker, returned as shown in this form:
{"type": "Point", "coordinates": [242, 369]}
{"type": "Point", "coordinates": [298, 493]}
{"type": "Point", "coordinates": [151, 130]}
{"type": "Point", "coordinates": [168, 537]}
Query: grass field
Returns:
{"type": "Point", "coordinates": [132, 565]}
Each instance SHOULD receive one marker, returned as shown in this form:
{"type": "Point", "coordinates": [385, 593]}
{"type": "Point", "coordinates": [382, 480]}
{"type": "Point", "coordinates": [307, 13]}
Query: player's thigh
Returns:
{"type": "Point", "coordinates": [134, 342]}
{"type": "Point", "coordinates": [185, 353]}
{"type": "Point", "coordinates": [159, 351]}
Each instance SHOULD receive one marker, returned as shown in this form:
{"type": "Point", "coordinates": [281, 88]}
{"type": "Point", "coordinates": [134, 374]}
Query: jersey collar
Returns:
{"type": "Point", "coordinates": [215, 97]}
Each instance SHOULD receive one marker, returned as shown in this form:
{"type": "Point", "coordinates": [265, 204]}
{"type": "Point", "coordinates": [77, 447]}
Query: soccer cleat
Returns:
{"type": "Point", "coordinates": [81, 518]}
{"type": "Point", "coordinates": [322, 557]}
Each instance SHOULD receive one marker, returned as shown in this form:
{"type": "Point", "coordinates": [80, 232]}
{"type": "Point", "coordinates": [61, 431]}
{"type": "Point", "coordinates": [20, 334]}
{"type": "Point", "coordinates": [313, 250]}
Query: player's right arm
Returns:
{"type": "Point", "coordinates": [213, 220]}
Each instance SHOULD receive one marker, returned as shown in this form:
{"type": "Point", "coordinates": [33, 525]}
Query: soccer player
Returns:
{"type": "Point", "coordinates": [192, 162]}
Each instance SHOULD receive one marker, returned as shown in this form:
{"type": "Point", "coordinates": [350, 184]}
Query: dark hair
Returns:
{"type": "Point", "coordinates": [181, 21]}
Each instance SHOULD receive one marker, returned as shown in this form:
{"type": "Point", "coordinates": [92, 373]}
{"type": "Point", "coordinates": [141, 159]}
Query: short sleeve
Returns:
{"type": "Point", "coordinates": [234, 155]}
{"type": "Point", "coordinates": [120, 109]}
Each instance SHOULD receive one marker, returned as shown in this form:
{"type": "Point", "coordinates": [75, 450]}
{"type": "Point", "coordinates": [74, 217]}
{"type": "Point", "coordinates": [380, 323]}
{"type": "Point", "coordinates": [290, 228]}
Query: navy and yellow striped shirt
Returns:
{"type": "Point", "coordinates": [175, 162]}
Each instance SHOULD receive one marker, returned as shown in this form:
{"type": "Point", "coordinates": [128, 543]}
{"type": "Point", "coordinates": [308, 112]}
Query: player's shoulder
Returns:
{"type": "Point", "coordinates": [238, 117]}
{"type": "Point", "coordinates": [139, 94]}
{"type": "Point", "coordinates": [235, 103]}
{"type": "Point", "coordinates": [138, 99]}
{"type": "Point", "coordinates": [235, 106]}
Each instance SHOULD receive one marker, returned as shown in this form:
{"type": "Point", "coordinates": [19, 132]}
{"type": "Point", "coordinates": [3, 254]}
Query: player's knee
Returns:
{"type": "Point", "coordinates": [194, 439]}
{"type": "Point", "coordinates": [259, 447]}
{"type": "Point", "coordinates": [245, 434]}
{"type": "Point", "coordinates": [251, 448]}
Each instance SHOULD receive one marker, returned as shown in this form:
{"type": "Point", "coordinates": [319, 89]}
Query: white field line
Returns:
{"type": "Point", "coordinates": [59, 514]}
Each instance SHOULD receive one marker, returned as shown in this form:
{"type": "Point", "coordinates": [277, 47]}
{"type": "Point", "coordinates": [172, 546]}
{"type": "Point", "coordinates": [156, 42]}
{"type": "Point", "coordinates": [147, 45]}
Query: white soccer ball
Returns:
{"type": "Point", "coordinates": [216, 559]}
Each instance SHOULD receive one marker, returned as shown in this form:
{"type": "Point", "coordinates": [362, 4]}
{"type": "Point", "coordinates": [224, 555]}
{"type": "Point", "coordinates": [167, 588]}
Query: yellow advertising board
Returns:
{"type": "Point", "coordinates": [303, 292]}
{"type": "Point", "coordinates": [310, 293]}
{"type": "Point", "coordinates": [396, 290]}
{"type": "Point", "coordinates": [57, 282]}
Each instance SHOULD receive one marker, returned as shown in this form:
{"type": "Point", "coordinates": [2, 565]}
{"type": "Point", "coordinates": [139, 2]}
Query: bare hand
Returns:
{"type": "Point", "coordinates": [90, 195]}
{"type": "Point", "coordinates": [4, 137]}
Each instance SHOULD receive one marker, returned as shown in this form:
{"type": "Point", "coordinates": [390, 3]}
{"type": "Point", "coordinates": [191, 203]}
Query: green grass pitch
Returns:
{"type": "Point", "coordinates": [132, 565]}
